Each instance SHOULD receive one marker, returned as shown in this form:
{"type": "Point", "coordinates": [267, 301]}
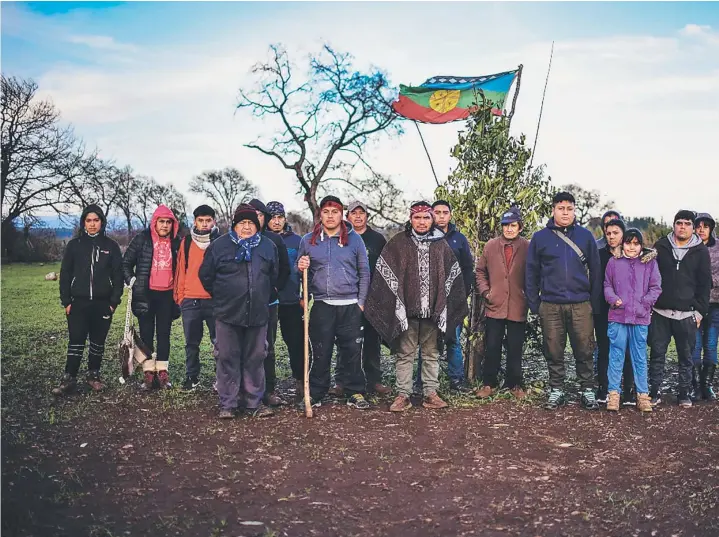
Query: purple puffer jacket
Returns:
{"type": "Point", "coordinates": [637, 284]}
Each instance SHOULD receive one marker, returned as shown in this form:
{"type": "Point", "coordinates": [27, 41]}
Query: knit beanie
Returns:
{"type": "Point", "coordinates": [245, 211]}
{"type": "Point", "coordinates": [685, 215]}
{"type": "Point", "coordinates": [633, 233]}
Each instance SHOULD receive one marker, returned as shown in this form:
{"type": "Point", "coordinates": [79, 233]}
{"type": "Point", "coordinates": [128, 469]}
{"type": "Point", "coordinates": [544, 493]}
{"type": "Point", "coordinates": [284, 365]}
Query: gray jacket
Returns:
{"type": "Point", "coordinates": [337, 272]}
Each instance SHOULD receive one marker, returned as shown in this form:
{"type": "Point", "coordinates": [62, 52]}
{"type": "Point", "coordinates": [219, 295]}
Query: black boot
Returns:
{"type": "Point", "coordinates": [707, 379]}
{"type": "Point", "coordinates": [695, 393]}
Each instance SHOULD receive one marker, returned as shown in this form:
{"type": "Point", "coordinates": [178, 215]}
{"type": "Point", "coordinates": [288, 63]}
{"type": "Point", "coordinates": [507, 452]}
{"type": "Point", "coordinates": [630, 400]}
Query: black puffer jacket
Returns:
{"type": "Point", "coordinates": [91, 266]}
{"type": "Point", "coordinates": [137, 262]}
{"type": "Point", "coordinates": [685, 284]}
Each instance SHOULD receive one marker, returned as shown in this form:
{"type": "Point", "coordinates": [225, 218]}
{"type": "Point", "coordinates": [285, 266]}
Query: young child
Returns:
{"type": "Point", "coordinates": [631, 287]}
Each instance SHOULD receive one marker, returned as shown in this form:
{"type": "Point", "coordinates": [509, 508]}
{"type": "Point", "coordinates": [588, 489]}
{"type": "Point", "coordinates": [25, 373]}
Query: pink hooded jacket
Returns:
{"type": "Point", "coordinates": [161, 274]}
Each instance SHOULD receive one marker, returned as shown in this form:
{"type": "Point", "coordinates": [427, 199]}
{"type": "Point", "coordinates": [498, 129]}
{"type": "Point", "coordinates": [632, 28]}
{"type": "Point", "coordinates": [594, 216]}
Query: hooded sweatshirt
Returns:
{"type": "Point", "coordinates": [161, 273]}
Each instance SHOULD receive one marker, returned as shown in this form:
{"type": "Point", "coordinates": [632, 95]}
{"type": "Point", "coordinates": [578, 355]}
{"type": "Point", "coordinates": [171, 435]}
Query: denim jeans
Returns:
{"type": "Point", "coordinates": [635, 336]}
{"type": "Point", "coordinates": [455, 360]}
{"type": "Point", "coordinates": [707, 336]}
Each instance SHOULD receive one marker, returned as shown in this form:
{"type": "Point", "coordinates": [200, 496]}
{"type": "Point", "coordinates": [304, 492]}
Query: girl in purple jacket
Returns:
{"type": "Point", "coordinates": [631, 288]}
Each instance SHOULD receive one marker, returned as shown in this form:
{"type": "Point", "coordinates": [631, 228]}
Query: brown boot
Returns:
{"type": "Point", "coordinates": [93, 380]}
{"type": "Point", "coordinates": [613, 401]}
{"type": "Point", "coordinates": [148, 381]}
{"type": "Point", "coordinates": [518, 393]}
{"type": "Point", "coordinates": [644, 403]}
{"type": "Point", "coordinates": [434, 402]}
{"type": "Point", "coordinates": [336, 390]}
{"type": "Point", "coordinates": [382, 389]}
{"type": "Point", "coordinates": [485, 392]}
{"type": "Point", "coordinates": [164, 378]}
{"type": "Point", "coordinates": [400, 404]}
{"type": "Point", "coordinates": [272, 399]}
{"type": "Point", "coordinates": [67, 385]}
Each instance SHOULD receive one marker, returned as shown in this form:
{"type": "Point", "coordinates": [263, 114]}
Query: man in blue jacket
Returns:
{"type": "Point", "coordinates": [291, 307]}
{"type": "Point", "coordinates": [338, 281]}
{"type": "Point", "coordinates": [240, 271]}
{"type": "Point", "coordinates": [563, 285]}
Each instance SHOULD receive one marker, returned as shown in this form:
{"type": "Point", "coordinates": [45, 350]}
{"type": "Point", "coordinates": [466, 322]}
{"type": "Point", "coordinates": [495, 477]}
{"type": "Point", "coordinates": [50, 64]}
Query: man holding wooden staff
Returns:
{"type": "Point", "coordinates": [338, 279]}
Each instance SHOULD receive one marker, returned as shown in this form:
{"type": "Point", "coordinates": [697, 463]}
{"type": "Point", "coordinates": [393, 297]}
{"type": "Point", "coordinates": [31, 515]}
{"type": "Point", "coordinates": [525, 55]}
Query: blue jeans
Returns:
{"type": "Point", "coordinates": [707, 336]}
{"type": "Point", "coordinates": [635, 336]}
{"type": "Point", "coordinates": [455, 360]}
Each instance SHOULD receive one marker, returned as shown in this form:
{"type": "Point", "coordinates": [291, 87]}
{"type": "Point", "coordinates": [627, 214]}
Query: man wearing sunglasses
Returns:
{"type": "Point", "coordinates": [686, 283]}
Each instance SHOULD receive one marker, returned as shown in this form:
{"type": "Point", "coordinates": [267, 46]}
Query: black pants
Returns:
{"type": "Point", "coordinates": [88, 319]}
{"type": "Point", "coordinates": [341, 325]}
{"type": "Point", "coordinates": [371, 352]}
{"type": "Point", "coordinates": [660, 334]}
{"type": "Point", "coordinates": [495, 330]}
{"type": "Point", "coordinates": [196, 312]}
{"type": "Point", "coordinates": [293, 334]}
{"type": "Point", "coordinates": [270, 374]}
{"type": "Point", "coordinates": [158, 319]}
{"type": "Point", "coordinates": [601, 327]}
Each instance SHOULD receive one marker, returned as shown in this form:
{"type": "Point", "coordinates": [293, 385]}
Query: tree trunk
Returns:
{"type": "Point", "coordinates": [475, 348]}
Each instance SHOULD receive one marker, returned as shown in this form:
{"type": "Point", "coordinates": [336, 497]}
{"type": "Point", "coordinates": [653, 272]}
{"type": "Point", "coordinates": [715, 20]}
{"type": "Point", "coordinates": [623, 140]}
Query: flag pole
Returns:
{"type": "Point", "coordinates": [541, 108]}
{"type": "Point", "coordinates": [427, 152]}
{"type": "Point", "coordinates": [516, 92]}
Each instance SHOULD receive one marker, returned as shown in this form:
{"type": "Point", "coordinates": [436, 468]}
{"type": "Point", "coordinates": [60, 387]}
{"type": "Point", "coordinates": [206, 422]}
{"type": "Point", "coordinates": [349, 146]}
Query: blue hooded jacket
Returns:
{"type": "Point", "coordinates": [555, 274]}
{"type": "Point", "coordinates": [290, 293]}
{"type": "Point", "coordinates": [462, 251]}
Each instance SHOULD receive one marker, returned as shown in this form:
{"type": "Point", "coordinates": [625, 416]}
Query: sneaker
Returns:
{"type": "Point", "coordinates": [400, 404]}
{"type": "Point", "coordinates": [555, 400]}
{"type": "Point", "coordinates": [164, 378]}
{"type": "Point", "coordinates": [93, 380]}
{"type": "Point", "coordinates": [148, 381]}
{"type": "Point", "coordinates": [214, 386]}
{"type": "Point", "coordinates": [589, 401]}
{"type": "Point", "coordinates": [644, 403]}
{"type": "Point", "coordinates": [358, 401]}
{"type": "Point", "coordinates": [629, 398]}
{"type": "Point", "coordinates": [68, 384]}
{"type": "Point", "coordinates": [190, 384]}
{"type": "Point", "coordinates": [613, 401]}
{"type": "Point", "coordinates": [336, 391]}
{"type": "Point", "coordinates": [458, 386]}
{"type": "Point", "coordinates": [684, 400]}
{"type": "Point", "coordinates": [226, 414]}
{"type": "Point", "coordinates": [602, 396]}
{"type": "Point", "coordinates": [272, 399]}
{"type": "Point", "coordinates": [434, 402]}
{"type": "Point", "coordinates": [518, 393]}
{"type": "Point", "coordinates": [655, 398]}
{"type": "Point", "coordinates": [485, 392]}
{"type": "Point", "coordinates": [314, 403]}
{"type": "Point", "coordinates": [262, 411]}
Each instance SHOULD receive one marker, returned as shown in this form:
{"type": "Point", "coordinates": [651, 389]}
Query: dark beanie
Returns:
{"type": "Point", "coordinates": [245, 211]}
{"type": "Point", "coordinates": [331, 199]}
{"type": "Point", "coordinates": [203, 210]}
{"type": "Point", "coordinates": [616, 214]}
{"type": "Point", "coordinates": [633, 233]}
{"type": "Point", "coordinates": [258, 205]}
{"type": "Point", "coordinates": [442, 202]}
{"type": "Point", "coordinates": [685, 215]}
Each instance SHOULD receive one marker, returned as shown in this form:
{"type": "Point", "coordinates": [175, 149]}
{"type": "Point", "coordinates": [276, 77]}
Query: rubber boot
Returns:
{"type": "Point", "coordinates": [695, 393]}
{"type": "Point", "coordinates": [707, 379]}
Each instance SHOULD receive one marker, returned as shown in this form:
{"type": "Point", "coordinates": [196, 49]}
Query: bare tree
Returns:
{"type": "Point", "coordinates": [589, 203]}
{"type": "Point", "coordinates": [126, 195]}
{"type": "Point", "coordinates": [39, 157]}
{"type": "Point", "coordinates": [225, 189]}
{"type": "Point", "coordinates": [101, 184]}
{"type": "Point", "coordinates": [323, 123]}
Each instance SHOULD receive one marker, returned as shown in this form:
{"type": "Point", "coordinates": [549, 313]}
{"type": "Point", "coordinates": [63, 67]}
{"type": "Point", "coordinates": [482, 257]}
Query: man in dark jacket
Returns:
{"type": "Point", "coordinates": [194, 301]}
{"type": "Point", "coordinates": [240, 272]}
{"type": "Point", "coordinates": [271, 398]}
{"type": "Point", "coordinates": [151, 260]}
{"type": "Point", "coordinates": [686, 284]}
{"type": "Point", "coordinates": [338, 281]}
{"type": "Point", "coordinates": [460, 246]}
{"type": "Point", "coordinates": [90, 291]}
{"type": "Point", "coordinates": [290, 311]}
{"type": "Point", "coordinates": [563, 285]}
{"type": "Point", "coordinates": [372, 346]}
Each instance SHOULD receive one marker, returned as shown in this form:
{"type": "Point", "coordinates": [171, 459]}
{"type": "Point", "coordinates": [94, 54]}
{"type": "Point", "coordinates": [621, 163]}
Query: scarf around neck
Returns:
{"type": "Point", "coordinates": [244, 246]}
{"type": "Point", "coordinates": [201, 238]}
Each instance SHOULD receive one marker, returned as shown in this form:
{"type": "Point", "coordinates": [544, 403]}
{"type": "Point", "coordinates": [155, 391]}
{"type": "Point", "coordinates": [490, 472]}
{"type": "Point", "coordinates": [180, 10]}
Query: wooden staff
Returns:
{"type": "Point", "coordinates": [308, 403]}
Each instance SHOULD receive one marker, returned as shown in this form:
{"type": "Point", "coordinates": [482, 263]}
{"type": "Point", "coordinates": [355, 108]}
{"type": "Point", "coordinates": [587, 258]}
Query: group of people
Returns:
{"type": "Point", "coordinates": [409, 293]}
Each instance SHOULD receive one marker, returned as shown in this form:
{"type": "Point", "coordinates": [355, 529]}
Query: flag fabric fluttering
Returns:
{"type": "Point", "coordinates": [442, 99]}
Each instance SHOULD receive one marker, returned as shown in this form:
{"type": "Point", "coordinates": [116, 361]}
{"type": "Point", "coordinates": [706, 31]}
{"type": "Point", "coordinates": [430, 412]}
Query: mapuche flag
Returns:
{"type": "Point", "coordinates": [442, 99]}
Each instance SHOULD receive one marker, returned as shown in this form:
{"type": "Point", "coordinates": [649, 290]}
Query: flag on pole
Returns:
{"type": "Point", "coordinates": [442, 99]}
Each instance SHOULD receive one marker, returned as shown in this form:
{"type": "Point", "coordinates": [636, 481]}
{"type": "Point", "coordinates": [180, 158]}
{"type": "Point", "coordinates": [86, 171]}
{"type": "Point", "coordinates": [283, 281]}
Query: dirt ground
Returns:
{"type": "Point", "coordinates": [155, 465]}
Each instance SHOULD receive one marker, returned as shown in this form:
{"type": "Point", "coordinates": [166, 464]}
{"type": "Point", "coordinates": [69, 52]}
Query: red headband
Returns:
{"type": "Point", "coordinates": [332, 204]}
{"type": "Point", "coordinates": [421, 209]}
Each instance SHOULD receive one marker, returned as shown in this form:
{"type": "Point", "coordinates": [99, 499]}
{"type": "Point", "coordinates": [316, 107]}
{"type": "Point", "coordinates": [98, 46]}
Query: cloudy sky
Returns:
{"type": "Point", "coordinates": [631, 108]}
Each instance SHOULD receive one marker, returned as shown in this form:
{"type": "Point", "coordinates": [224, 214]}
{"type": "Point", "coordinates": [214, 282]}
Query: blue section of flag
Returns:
{"type": "Point", "coordinates": [500, 82]}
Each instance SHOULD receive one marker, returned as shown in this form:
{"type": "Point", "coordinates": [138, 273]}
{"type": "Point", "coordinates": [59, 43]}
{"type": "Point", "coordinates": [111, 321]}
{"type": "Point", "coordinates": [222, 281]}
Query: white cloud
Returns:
{"type": "Point", "coordinates": [101, 42]}
{"type": "Point", "coordinates": [632, 116]}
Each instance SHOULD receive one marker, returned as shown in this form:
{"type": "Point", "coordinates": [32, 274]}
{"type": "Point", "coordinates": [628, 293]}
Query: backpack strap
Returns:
{"type": "Point", "coordinates": [186, 245]}
{"type": "Point", "coordinates": [573, 246]}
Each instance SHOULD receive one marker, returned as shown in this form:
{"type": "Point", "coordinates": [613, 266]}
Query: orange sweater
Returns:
{"type": "Point", "coordinates": [187, 284]}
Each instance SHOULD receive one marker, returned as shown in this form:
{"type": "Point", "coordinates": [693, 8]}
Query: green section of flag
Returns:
{"type": "Point", "coordinates": [467, 98]}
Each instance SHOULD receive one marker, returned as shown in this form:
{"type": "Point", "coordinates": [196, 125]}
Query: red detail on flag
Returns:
{"type": "Point", "coordinates": [406, 107]}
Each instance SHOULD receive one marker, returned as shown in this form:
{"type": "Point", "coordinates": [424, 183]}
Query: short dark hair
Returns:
{"type": "Point", "coordinates": [559, 197]}
{"type": "Point", "coordinates": [203, 210]}
{"type": "Point", "coordinates": [442, 202]}
{"type": "Point", "coordinates": [616, 222]}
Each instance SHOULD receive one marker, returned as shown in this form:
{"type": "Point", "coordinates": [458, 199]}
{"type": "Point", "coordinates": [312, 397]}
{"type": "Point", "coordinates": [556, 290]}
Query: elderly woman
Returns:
{"type": "Point", "coordinates": [240, 271]}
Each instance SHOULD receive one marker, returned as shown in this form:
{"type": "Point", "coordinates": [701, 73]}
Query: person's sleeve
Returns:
{"type": "Point", "coordinates": [609, 294]}
{"type": "Point", "coordinates": [66, 271]}
{"type": "Point", "coordinates": [482, 274]}
{"type": "Point", "coordinates": [595, 275]}
{"type": "Point", "coordinates": [655, 285]}
{"type": "Point", "coordinates": [118, 279]}
{"type": "Point", "coordinates": [467, 264]}
{"type": "Point", "coordinates": [277, 267]}
{"type": "Point", "coordinates": [532, 277]}
{"type": "Point", "coordinates": [364, 273]}
{"type": "Point", "coordinates": [703, 286]}
{"type": "Point", "coordinates": [207, 270]}
{"type": "Point", "coordinates": [129, 260]}
{"type": "Point", "coordinates": [283, 270]}
{"type": "Point", "coordinates": [179, 292]}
